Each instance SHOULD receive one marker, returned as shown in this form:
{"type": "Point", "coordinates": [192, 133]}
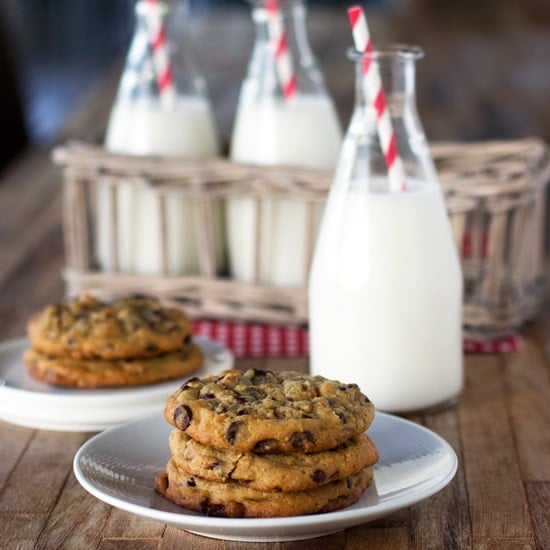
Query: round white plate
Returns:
{"type": "Point", "coordinates": [119, 465]}
{"type": "Point", "coordinates": [28, 402]}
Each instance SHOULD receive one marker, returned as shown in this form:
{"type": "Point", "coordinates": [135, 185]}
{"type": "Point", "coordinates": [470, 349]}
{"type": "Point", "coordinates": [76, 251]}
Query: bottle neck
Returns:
{"type": "Point", "coordinates": [293, 13]}
{"type": "Point", "coordinates": [161, 62]}
{"type": "Point", "coordinates": [171, 15]}
{"type": "Point", "coordinates": [262, 65]}
{"type": "Point", "coordinates": [381, 130]}
{"type": "Point", "coordinates": [396, 68]}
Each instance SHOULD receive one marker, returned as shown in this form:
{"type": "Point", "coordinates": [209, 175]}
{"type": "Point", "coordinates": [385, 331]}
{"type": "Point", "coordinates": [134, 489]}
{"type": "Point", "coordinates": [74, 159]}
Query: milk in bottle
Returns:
{"type": "Point", "coordinates": [385, 288]}
{"type": "Point", "coordinates": [271, 129]}
{"type": "Point", "coordinates": [150, 118]}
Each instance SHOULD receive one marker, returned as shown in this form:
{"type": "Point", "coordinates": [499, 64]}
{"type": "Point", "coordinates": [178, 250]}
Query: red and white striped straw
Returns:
{"type": "Point", "coordinates": [283, 60]}
{"type": "Point", "coordinates": [161, 59]}
{"type": "Point", "coordinates": [373, 89]}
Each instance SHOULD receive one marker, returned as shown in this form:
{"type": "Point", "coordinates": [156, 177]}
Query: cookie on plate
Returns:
{"type": "Point", "coordinates": [235, 500]}
{"type": "Point", "coordinates": [128, 327]}
{"type": "Point", "coordinates": [102, 373]}
{"type": "Point", "coordinates": [279, 472]}
{"type": "Point", "coordinates": [267, 412]}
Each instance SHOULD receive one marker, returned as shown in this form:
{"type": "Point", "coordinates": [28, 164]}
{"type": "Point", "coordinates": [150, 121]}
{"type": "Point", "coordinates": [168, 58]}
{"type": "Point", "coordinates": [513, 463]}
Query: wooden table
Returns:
{"type": "Point", "coordinates": [500, 428]}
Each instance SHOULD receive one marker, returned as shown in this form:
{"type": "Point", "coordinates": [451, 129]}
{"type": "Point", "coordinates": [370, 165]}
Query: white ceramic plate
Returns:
{"type": "Point", "coordinates": [118, 466]}
{"type": "Point", "coordinates": [28, 402]}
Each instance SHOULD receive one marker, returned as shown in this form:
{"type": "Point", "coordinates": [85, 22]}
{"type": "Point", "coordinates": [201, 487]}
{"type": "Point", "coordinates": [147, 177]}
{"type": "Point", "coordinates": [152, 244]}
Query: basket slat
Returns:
{"type": "Point", "coordinates": [494, 194]}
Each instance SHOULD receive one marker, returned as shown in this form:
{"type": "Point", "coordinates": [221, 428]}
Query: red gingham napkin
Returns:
{"type": "Point", "coordinates": [247, 339]}
{"type": "Point", "coordinates": [504, 344]}
{"type": "Point", "coordinates": [254, 339]}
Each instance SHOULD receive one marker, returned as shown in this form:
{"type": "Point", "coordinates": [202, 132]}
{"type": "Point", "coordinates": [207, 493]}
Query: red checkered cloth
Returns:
{"type": "Point", "coordinates": [504, 344]}
{"type": "Point", "coordinates": [247, 339]}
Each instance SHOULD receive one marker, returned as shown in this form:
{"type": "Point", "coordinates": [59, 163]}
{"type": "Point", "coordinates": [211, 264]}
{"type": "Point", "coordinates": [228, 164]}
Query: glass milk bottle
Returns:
{"type": "Point", "coordinates": [385, 289]}
{"type": "Point", "coordinates": [272, 129]}
{"type": "Point", "coordinates": [161, 108]}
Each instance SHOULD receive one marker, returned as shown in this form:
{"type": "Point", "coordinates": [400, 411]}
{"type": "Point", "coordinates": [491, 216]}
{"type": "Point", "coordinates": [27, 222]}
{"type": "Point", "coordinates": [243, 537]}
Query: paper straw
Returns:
{"type": "Point", "coordinates": [372, 83]}
{"type": "Point", "coordinates": [283, 60]}
{"type": "Point", "coordinates": [161, 60]}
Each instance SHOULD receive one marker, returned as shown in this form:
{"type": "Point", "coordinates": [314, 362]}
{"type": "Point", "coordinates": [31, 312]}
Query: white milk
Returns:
{"type": "Point", "coordinates": [385, 298]}
{"type": "Point", "coordinates": [304, 133]}
{"type": "Point", "coordinates": [145, 128]}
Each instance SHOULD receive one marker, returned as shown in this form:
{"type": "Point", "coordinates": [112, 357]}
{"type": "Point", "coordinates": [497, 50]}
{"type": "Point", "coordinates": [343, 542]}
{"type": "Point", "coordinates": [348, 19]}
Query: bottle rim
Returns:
{"type": "Point", "coordinates": [397, 52]}
{"type": "Point", "coordinates": [143, 7]}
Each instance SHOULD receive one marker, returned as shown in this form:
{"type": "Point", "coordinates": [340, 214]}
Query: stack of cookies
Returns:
{"type": "Point", "coordinates": [260, 444]}
{"type": "Point", "coordinates": [89, 343]}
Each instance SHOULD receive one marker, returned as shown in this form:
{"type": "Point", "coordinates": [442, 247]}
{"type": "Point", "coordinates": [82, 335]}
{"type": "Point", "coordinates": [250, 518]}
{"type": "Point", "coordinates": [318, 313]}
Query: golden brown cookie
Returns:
{"type": "Point", "coordinates": [125, 328]}
{"type": "Point", "coordinates": [272, 472]}
{"type": "Point", "coordinates": [102, 373]}
{"type": "Point", "coordinates": [267, 412]}
{"type": "Point", "coordinates": [235, 500]}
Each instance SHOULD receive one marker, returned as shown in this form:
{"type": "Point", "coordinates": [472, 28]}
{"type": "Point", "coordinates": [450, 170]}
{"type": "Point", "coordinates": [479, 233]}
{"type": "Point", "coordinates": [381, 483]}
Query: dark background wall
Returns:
{"type": "Point", "coordinates": [58, 49]}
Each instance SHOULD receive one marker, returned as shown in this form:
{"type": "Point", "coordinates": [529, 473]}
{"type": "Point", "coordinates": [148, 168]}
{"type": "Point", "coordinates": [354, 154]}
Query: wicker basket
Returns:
{"type": "Point", "coordinates": [494, 193]}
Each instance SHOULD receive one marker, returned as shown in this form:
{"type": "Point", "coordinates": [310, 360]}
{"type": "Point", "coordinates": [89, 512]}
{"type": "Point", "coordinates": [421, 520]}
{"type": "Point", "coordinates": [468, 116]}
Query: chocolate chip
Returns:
{"type": "Point", "coordinates": [319, 476]}
{"type": "Point", "coordinates": [186, 385]}
{"type": "Point", "coordinates": [208, 395]}
{"type": "Point", "coordinates": [214, 465]}
{"type": "Point", "coordinates": [266, 446]}
{"type": "Point", "coordinates": [182, 417]}
{"type": "Point", "coordinates": [210, 509]}
{"type": "Point", "coordinates": [191, 482]}
{"type": "Point", "coordinates": [186, 339]}
{"type": "Point", "coordinates": [299, 440]}
{"type": "Point", "coordinates": [153, 317]}
{"type": "Point", "coordinates": [151, 348]}
{"type": "Point", "coordinates": [345, 387]}
{"type": "Point", "coordinates": [343, 418]}
{"type": "Point", "coordinates": [231, 432]}
{"type": "Point", "coordinates": [260, 374]}
{"type": "Point", "coordinates": [139, 296]}
{"type": "Point", "coordinates": [240, 398]}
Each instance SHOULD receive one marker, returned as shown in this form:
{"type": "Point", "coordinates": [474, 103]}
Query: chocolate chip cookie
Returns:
{"type": "Point", "coordinates": [279, 472]}
{"type": "Point", "coordinates": [268, 412]}
{"type": "Point", "coordinates": [128, 327]}
{"type": "Point", "coordinates": [235, 500]}
{"type": "Point", "coordinates": [103, 373]}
